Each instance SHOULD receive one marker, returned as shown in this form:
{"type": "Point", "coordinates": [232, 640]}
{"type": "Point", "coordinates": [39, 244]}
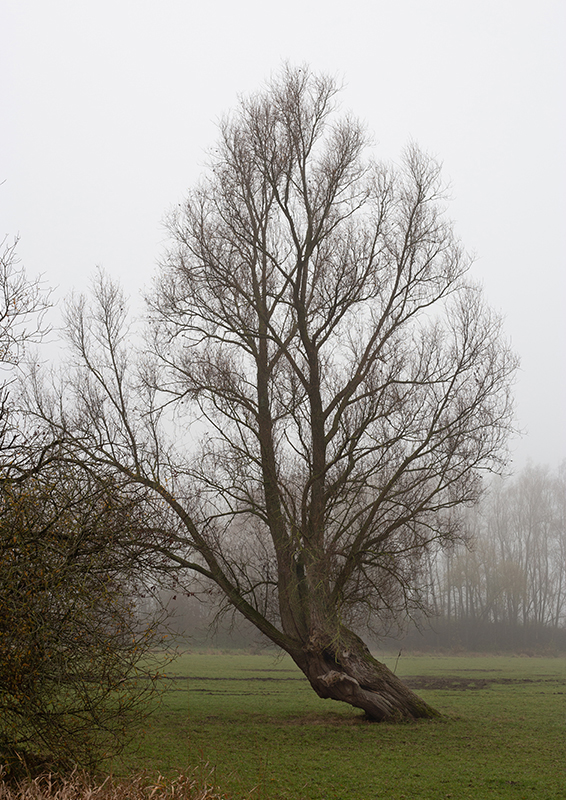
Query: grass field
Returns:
{"type": "Point", "coordinates": [256, 723]}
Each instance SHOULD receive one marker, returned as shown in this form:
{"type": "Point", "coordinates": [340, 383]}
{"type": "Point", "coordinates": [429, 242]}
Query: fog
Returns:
{"type": "Point", "coordinates": [502, 590]}
{"type": "Point", "coordinates": [109, 109]}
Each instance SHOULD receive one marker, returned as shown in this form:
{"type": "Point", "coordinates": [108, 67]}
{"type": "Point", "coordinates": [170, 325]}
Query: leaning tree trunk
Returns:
{"type": "Point", "coordinates": [343, 669]}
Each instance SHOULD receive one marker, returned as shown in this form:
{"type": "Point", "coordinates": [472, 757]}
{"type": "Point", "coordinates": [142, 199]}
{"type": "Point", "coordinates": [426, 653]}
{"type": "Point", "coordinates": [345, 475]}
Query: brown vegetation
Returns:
{"type": "Point", "coordinates": [186, 786]}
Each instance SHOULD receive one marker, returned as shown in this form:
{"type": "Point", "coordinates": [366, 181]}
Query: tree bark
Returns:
{"type": "Point", "coordinates": [343, 669]}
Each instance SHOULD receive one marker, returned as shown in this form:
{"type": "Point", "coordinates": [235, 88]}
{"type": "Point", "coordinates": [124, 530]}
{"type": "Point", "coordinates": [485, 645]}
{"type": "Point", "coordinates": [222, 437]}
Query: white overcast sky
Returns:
{"type": "Point", "coordinates": [108, 108]}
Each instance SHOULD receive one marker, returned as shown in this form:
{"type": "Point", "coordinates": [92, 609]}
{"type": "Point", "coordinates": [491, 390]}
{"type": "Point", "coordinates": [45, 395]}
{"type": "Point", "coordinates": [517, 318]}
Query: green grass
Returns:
{"type": "Point", "coordinates": [257, 723]}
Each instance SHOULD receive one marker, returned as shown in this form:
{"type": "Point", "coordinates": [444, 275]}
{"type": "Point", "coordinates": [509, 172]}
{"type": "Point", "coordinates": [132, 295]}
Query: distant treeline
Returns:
{"type": "Point", "coordinates": [507, 588]}
{"type": "Point", "coordinates": [443, 635]}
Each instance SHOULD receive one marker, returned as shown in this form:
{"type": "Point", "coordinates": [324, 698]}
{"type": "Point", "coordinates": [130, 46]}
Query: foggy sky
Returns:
{"type": "Point", "coordinates": [108, 110]}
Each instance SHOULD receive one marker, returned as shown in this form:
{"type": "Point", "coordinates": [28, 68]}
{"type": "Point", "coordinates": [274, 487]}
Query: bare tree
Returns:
{"type": "Point", "coordinates": [23, 304]}
{"type": "Point", "coordinates": [313, 327]}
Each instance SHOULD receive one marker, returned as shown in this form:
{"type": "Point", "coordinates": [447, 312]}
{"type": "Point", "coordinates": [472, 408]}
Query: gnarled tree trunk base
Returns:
{"type": "Point", "coordinates": [346, 671]}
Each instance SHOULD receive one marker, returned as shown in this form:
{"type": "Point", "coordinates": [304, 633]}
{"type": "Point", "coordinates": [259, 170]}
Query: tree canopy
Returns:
{"type": "Point", "coordinates": [76, 665]}
{"type": "Point", "coordinates": [335, 381]}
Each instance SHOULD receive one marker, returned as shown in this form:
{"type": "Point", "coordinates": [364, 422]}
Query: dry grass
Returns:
{"type": "Point", "coordinates": [80, 787]}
